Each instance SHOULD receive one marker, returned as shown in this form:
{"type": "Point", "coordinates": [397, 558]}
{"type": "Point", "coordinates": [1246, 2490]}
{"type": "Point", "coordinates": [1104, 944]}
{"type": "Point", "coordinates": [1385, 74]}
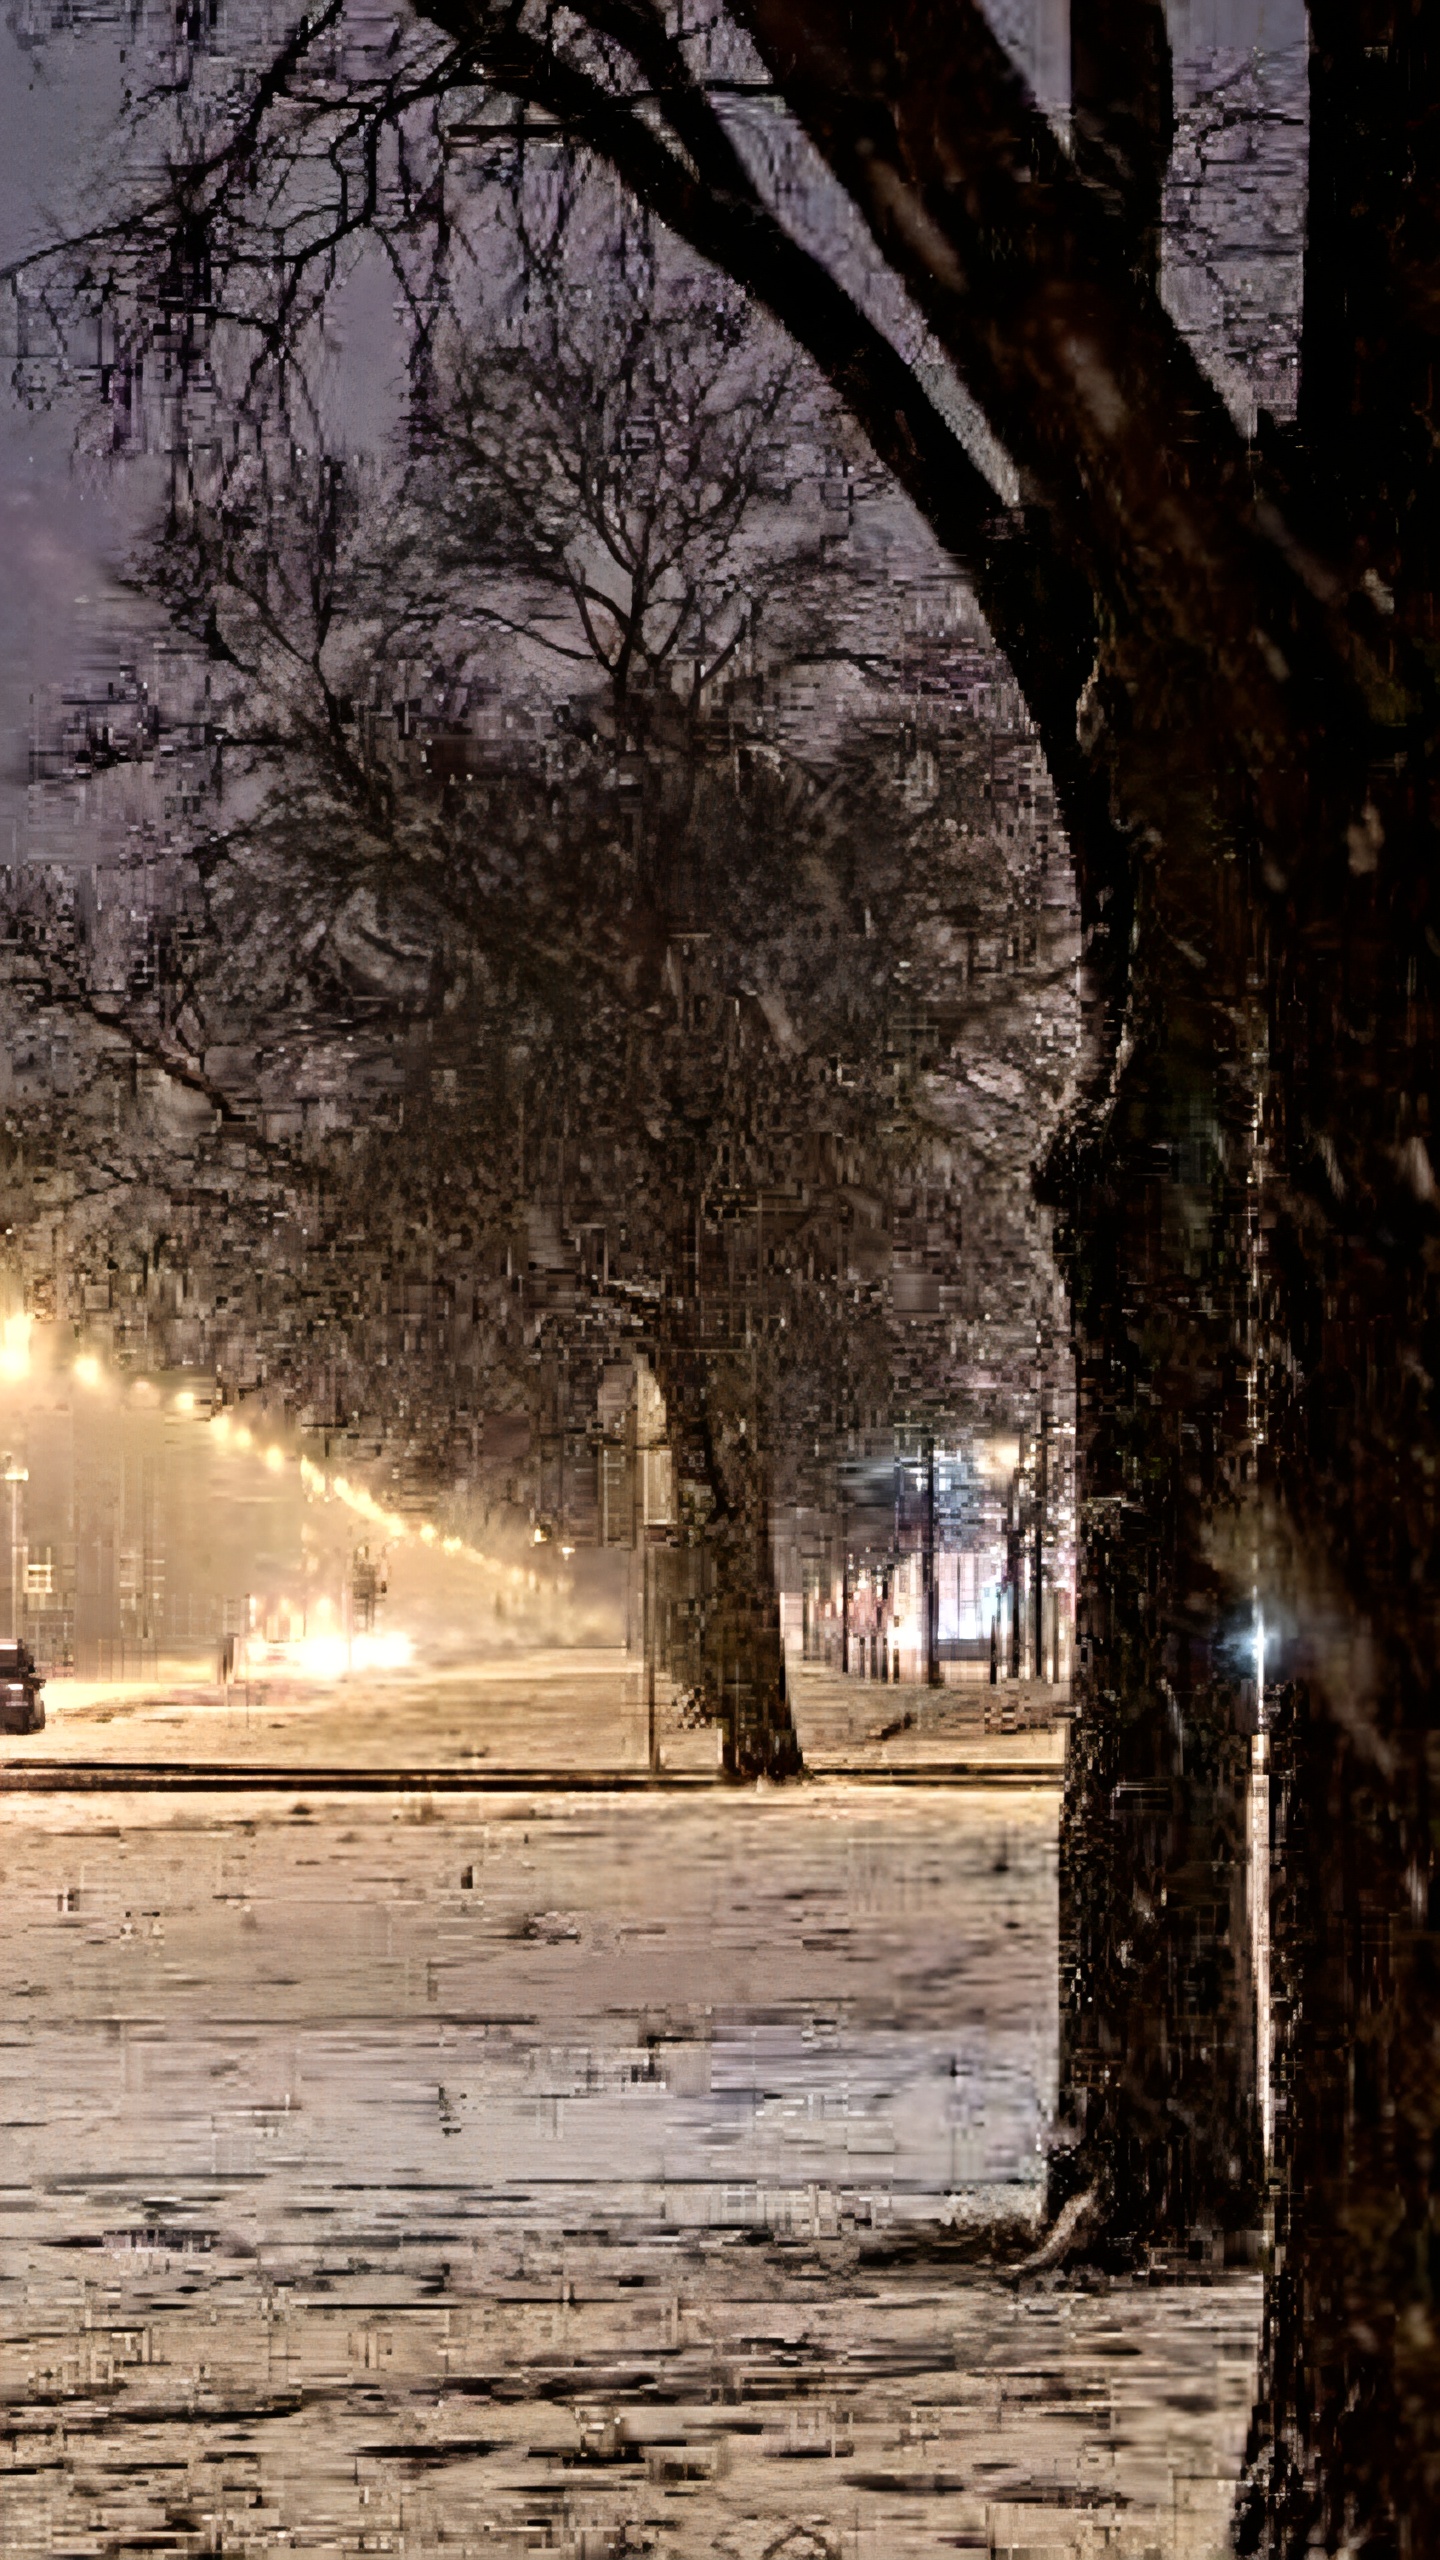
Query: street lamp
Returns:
{"type": "Point", "coordinates": [15, 1476]}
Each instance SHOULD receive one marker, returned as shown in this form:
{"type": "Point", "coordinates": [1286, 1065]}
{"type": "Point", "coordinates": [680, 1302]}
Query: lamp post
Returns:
{"type": "Point", "coordinates": [15, 1476]}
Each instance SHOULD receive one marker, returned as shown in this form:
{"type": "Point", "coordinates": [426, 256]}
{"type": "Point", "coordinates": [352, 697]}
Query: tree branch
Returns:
{"type": "Point", "coordinates": [1126, 446]}
{"type": "Point", "coordinates": [1123, 116]}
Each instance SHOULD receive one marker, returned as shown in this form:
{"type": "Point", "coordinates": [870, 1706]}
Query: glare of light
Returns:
{"type": "Point", "coordinates": [363, 1503]}
{"type": "Point", "coordinates": [327, 1654]}
{"type": "Point", "coordinates": [997, 1459]}
{"type": "Point", "coordinates": [322, 1657]}
{"type": "Point", "coordinates": [185, 1401]}
{"type": "Point", "coordinates": [274, 1459]}
{"type": "Point", "coordinates": [220, 1425]}
{"type": "Point", "coordinates": [15, 1347]}
{"type": "Point", "coordinates": [539, 1538]}
{"type": "Point", "coordinates": [242, 1436]}
{"type": "Point", "coordinates": [88, 1371]}
{"type": "Point", "coordinates": [388, 1652]}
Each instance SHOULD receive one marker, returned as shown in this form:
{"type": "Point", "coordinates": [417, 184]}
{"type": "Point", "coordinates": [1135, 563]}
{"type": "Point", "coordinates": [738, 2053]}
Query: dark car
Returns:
{"type": "Point", "coordinates": [21, 1710]}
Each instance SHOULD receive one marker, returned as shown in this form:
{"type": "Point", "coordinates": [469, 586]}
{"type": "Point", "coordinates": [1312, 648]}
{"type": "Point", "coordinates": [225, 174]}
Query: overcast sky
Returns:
{"type": "Point", "coordinates": [59, 525]}
{"type": "Point", "coordinates": [56, 527]}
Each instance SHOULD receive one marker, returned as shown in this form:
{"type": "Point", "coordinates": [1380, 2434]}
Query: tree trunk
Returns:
{"type": "Point", "coordinates": [726, 1647]}
{"type": "Point", "coordinates": [1344, 2449]}
{"type": "Point", "coordinates": [1158, 2116]}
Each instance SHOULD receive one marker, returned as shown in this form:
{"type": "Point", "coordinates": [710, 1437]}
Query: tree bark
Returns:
{"type": "Point", "coordinates": [1122, 116]}
{"type": "Point", "coordinates": [1344, 2449]}
{"type": "Point", "coordinates": [1158, 2118]}
{"type": "Point", "coordinates": [727, 1646]}
{"type": "Point", "coordinates": [1344, 2445]}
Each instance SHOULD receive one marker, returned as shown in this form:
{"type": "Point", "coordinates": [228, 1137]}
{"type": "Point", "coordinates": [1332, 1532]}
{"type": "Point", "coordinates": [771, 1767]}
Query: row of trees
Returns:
{"type": "Point", "coordinates": [575, 868]}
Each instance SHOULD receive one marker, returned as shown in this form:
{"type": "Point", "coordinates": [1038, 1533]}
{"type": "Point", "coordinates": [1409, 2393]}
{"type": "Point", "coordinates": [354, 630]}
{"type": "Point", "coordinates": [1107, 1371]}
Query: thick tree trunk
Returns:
{"type": "Point", "coordinates": [725, 1639]}
{"type": "Point", "coordinates": [1158, 2117]}
{"type": "Point", "coordinates": [1344, 2450]}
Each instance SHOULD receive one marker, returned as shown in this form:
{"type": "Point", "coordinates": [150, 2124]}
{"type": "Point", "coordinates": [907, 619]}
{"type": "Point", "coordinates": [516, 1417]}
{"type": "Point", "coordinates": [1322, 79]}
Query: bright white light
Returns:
{"type": "Point", "coordinates": [389, 1652]}
{"type": "Point", "coordinates": [327, 1655]}
{"type": "Point", "coordinates": [274, 1459]}
{"type": "Point", "coordinates": [88, 1371]}
{"type": "Point", "coordinates": [185, 1401]}
{"type": "Point", "coordinates": [322, 1657]}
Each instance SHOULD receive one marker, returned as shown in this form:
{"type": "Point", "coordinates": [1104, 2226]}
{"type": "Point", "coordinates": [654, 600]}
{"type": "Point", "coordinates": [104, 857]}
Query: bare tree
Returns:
{"type": "Point", "coordinates": [438, 874]}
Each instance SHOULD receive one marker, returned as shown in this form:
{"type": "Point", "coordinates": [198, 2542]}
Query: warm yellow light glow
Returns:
{"type": "Point", "coordinates": [326, 1655]}
{"type": "Point", "coordinates": [88, 1371]}
{"type": "Point", "coordinates": [185, 1401]}
{"type": "Point", "coordinates": [998, 1459]}
{"type": "Point", "coordinates": [243, 1438]}
{"type": "Point", "coordinates": [359, 1499]}
{"type": "Point", "coordinates": [389, 1652]}
{"type": "Point", "coordinates": [274, 1459]}
{"type": "Point", "coordinates": [15, 1347]}
{"type": "Point", "coordinates": [220, 1425]}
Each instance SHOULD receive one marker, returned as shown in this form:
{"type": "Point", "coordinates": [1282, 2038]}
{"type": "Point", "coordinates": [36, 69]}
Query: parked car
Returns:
{"type": "Point", "coordinates": [21, 1709]}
